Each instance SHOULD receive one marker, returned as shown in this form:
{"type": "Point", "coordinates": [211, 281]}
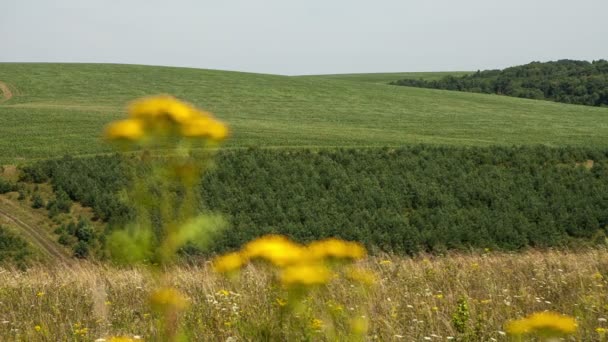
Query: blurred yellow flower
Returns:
{"type": "Point", "coordinates": [228, 263]}
{"type": "Point", "coordinates": [600, 331]}
{"type": "Point", "coordinates": [168, 299]}
{"type": "Point", "coordinates": [121, 339]}
{"type": "Point", "coordinates": [316, 324]}
{"type": "Point", "coordinates": [385, 262]}
{"type": "Point", "coordinates": [305, 275]}
{"type": "Point", "coordinates": [543, 324]}
{"type": "Point", "coordinates": [37, 328]}
{"type": "Point", "coordinates": [359, 325]}
{"type": "Point", "coordinates": [204, 127]}
{"type": "Point", "coordinates": [40, 294]}
{"type": "Point", "coordinates": [336, 248]}
{"type": "Point", "coordinates": [361, 275]}
{"type": "Point", "coordinates": [276, 249]}
{"type": "Point", "coordinates": [125, 129]}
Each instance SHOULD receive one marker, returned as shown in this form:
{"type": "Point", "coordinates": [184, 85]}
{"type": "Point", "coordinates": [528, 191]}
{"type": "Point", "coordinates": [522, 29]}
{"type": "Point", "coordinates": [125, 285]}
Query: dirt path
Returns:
{"type": "Point", "coordinates": [6, 92]}
{"type": "Point", "coordinates": [39, 239]}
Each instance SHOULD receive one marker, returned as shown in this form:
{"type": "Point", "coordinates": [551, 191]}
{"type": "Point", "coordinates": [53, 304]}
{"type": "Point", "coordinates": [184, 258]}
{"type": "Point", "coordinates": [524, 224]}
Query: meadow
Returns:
{"type": "Point", "coordinates": [412, 299]}
{"type": "Point", "coordinates": [59, 109]}
{"type": "Point", "coordinates": [292, 139]}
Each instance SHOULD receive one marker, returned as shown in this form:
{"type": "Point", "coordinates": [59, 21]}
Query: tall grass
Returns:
{"type": "Point", "coordinates": [413, 299]}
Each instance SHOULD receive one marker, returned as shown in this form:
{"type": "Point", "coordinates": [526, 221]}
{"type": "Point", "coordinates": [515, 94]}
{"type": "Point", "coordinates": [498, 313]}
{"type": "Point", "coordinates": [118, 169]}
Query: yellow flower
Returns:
{"type": "Point", "coordinates": [336, 248]}
{"type": "Point", "coordinates": [485, 301]}
{"type": "Point", "coordinates": [38, 328]}
{"type": "Point", "coordinates": [439, 296]}
{"type": "Point", "coordinates": [360, 275]}
{"type": "Point", "coordinates": [40, 294]}
{"type": "Point", "coordinates": [223, 292]}
{"type": "Point", "coordinates": [204, 127]}
{"type": "Point", "coordinates": [125, 129]}
{"type": "Point", "coordinates": [385, 262]}
{"type": "Point", "coordinates": [544, 324]}
{"type": "Point", "coordinates": [316, 324]}
{"type": "Point", "coordinates": [305, 275]}
{"type": "Point", "coordinates": [121, 339]}
{"type": "Point", "coordinates": [359, 325]}
{"type": "Point", "coordinates": [160, 107]}
{"type": "Point", "coordinates": [597, 276]}
{"type": "Point", "coordinates": [276, 249]}
{"type": "Point", "coordinates": [228, 263]}
{"type": "Point", "coordinates": [168, 299]}
{"type": "Point", "coordinates": [281, 302]}
{"type": "Point", "coordinates": [600, 331]}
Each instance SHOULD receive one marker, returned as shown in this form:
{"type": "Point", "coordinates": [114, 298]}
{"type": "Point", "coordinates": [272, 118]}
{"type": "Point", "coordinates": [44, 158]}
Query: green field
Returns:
{"type": "Point", "coordinates": [385, 78]}
{"type": "Point", "coordinates": [61, 108]}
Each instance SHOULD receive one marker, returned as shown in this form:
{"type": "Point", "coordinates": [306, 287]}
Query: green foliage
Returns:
{"type": "Point", "coordinates": [13, 249]}
{"type": "Point", "coordinates": [6, 186]}
{"type": "Point", "coordinates": [567, 81]}
{"type": "Point", "coordinates": [460, 318]}
{"type": "Point", "coordinates": [37, 201]}
{"type": "Point", "coordinates": [407, 200]}
{"type": "Point", "coordinates": [273, 111]}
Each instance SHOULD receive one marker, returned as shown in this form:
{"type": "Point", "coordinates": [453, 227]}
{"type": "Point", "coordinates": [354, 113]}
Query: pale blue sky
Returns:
{"type": "Point", "coordinates": [304, 37]}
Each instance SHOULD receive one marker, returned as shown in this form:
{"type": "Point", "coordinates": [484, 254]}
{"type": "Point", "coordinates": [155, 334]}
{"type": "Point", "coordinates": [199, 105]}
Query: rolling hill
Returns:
{"type": "Point", "coordinates": [56, 109]}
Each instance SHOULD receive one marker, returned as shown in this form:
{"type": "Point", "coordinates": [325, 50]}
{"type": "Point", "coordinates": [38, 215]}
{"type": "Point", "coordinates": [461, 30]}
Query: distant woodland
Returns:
{"type": "Point", "coordinates": [405, 200]}
{"type": "Point", "coordinates": [567, 81]}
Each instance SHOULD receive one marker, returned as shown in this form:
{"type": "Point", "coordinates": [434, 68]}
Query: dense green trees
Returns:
{"type": "Point", "coordinates": [567, 81]}
{"type": "Point", "coordinates": [410, 199]}
{"type": "Point", "coordinates": [12, 248]}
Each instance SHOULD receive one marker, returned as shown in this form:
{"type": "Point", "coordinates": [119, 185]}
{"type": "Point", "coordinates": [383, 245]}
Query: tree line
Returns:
{"type": "Point", "coordinates": [405, 200]}
{"type": "Point", "coordinates": [567, 81]}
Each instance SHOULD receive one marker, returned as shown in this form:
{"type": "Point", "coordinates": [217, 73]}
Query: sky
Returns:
{"type": "Point", "coordinates": [305, 37]}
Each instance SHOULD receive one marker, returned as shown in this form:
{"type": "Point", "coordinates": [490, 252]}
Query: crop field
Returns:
{"type": "Point", "coordinates": [58, 109]}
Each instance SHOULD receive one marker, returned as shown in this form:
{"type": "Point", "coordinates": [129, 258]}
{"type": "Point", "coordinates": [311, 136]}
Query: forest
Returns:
{"type": "Point", "coordinates": [567, 81]}
{"type": "Point", "coordinates": [404, 200]}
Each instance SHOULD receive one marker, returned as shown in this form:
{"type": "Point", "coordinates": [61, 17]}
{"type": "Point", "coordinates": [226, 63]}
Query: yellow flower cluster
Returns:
{"type": "Point", "coordinates": [165, 115]}
{"type": "Point", "coordinates": [168, 298]}
{"type": "Point", "coordinates": [300, 264]}
{"type": "Point", "coordinates": [543, 324]}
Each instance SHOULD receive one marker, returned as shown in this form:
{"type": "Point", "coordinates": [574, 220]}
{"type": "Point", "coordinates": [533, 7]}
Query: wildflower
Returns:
{"type": "Point", "coordinates": [361, 276]}
{"type": "Point", "coordinates": [305, 274]}
{"type": "Point", "coordinates": [485, 301]}
{"type": "Point", "coordinates": [597, 276]}
{"type": "Point", "coordinates": [439, 296]}
{"type": "Point", "coordinates": [168, 298]}
{"type": "Point", "coordinates": [385, 262]}
{"type": "Point", "coordinates": [204, 127]}
{"type": "Point", "coordinates": [600, 331]}
{"type": "Point", "coordinates": [359, 325]}
{"type": "Point", "coordinates": [228, 263]}
{"type": "Point", "coordinates": [276, 249]}
{"type": "Point", "coordinates": [316, 324]}
{"type": "Point", "coordinates": [281, 302]}
{"type": "Point", "coordinates": [38, 328]}
{"type": "Point", "coordinates": [543, 323]}
{"type": "Point", "coordinates": [161, 107]}
{"type": "Point", "coordinates": [223, 292]}
{"type": "Point", "coordinates": [129, 129]}
{"type": "Point", "coordinates": [121, 339]}
{"type": "Point", "coordinates": [39, 294]}
{"type": "Point", "coordinates": [335, 248]}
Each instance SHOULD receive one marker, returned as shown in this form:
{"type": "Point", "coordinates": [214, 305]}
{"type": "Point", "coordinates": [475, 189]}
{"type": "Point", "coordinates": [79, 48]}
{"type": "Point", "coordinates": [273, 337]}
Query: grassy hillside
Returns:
{"type": "Point", "coordinates": [385, 78]}
{"type": "Point", "coordinates": [61, 108]}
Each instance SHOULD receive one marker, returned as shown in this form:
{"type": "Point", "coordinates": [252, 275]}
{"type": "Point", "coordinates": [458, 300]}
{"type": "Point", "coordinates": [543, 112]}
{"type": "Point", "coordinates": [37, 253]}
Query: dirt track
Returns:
{"type": "Point", "coordinates": [7, 94]}
{"type": "Point", "coordinates": [39, 239]}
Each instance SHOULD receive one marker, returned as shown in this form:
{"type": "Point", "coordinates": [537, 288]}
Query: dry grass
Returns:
{"type": "Point", "coordinates": [413, 299]}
